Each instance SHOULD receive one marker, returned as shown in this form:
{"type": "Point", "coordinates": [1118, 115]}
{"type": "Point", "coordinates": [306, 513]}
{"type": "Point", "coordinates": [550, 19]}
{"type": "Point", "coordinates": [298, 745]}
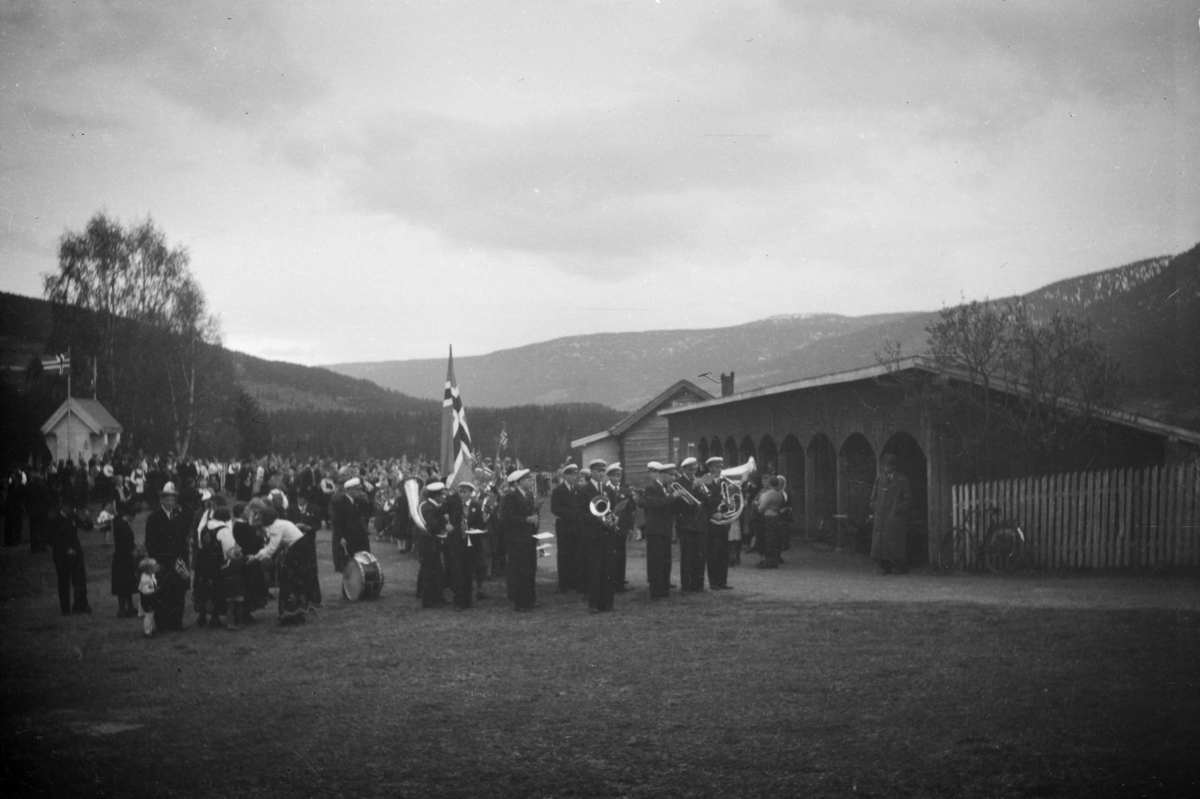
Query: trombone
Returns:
{"type": "Point", "coordinates": [678, 490]}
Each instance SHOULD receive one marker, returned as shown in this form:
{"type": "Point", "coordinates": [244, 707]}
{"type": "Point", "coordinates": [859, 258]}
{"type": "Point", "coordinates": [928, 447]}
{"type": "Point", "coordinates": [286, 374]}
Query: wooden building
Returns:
{"type": "Point", "coordinates": [641, 436]}
{"type": "Point", "coordinates": [825, 436]}
{"type": "Point", "coordinates": [81, 428]}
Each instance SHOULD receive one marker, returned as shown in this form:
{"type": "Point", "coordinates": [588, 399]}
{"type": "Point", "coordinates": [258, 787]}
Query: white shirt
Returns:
{"type": "Point", "coordinates": [281, 533]}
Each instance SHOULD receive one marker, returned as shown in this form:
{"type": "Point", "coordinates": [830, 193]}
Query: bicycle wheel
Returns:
{"type": "Point", "coordinates": [952, 552]}
{"type": "Point", "coordinates": [1002, 552]}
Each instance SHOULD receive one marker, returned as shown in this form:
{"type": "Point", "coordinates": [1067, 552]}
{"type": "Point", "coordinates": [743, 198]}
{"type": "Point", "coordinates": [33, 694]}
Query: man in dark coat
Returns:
{"type": "Point", "coordinates": [63, 524]}
{"type": "Point", "coordinates": [14, 508]}
{"type": "Point", "coordinates": [37, 504]}
{"type": "Point", "coordinates": [691, 522]}
{"type": "Point", "coordinates": [717, 536]}
{"type": "Point", "coordinates": [431, 577]}
{"type": "Point", "coordinates": [891, 502]}
{"type": "Point", "coordinates": [519, 520]}
{"type": "Point", "coordinates": [566, 534]}
{"type": "Point", "coordinates": [624, 505]}
{"type": "Point", "coordinates": [660, 522]}
{"type": "Point", "coordinates": [349, 510]}
{"type": "Point", "coordinates": [464, 514]}
{"type": "Point", "coordinates": [167, 543]}
{"type": "Point", "coordinates": [304, 513]}
{"type": "Point", "coordinates": [596, 538]}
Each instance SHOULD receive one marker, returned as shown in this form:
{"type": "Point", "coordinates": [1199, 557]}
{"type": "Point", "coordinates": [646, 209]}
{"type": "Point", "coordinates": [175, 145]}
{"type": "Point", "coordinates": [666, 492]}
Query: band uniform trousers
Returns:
{"type": "Point", "coordinates": [522, 568]}
{"type": "Point", "coordinates": [717, 555]}
{"type": "Point", "coordinates": [600, 554]}
{"type": "Point", "coordinates": [618, 568]}
{"type": "Point", "coordinates": [658, 565]}
{"type": "Point", "coordinates": [691, 560]}
{"type": "Point", "coordinates": [569, 559]}
{"type": "Point", "coordinates": [431, 579]}
{"type": "Point", "coordinates": [462, 568]}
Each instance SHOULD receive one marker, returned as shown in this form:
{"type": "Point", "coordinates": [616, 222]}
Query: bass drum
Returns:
{"type": "Point", "coordinates": [362, 578]}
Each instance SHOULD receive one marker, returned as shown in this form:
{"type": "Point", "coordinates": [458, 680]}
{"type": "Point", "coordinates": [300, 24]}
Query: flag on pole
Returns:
{"type": "Point", "coordinates": [503, 437]}
{"type": "Point", "coordinates": [57, 363]}
{"type": "Point", "coordinates": [458, 465]}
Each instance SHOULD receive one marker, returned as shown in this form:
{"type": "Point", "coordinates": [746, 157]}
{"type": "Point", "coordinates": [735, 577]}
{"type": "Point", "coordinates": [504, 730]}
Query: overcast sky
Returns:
{"type": "Point", "coordinates": [367, 181]}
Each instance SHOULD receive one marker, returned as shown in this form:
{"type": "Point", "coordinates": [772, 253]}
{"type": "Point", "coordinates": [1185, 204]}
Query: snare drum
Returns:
{"type": "Point", "coordinates": [362, 578]}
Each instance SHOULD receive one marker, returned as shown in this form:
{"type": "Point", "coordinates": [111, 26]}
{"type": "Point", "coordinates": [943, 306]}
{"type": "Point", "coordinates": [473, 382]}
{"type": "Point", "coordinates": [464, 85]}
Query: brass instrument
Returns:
{"type": "Point", "coordinates": [678, 490]}
{"type": "Point", "coordinates": [601, 508]}
{"type": "Point", "coordinates": [732, 501]}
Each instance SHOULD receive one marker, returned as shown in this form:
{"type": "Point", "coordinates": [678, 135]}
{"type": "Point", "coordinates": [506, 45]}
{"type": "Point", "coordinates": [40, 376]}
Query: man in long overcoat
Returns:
{"type": "Point", "coordinates": [891, 502]}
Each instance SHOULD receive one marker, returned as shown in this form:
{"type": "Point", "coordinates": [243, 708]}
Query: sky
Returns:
{"type": "Point", "coordinates": [376, 180]}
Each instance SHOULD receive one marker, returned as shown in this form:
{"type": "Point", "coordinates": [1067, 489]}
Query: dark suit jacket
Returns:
{"type": "Point", "coordinates": [660, 510]}
{"type": "Point", "coordinates": [565, 508]}
{"type": "Point", "coordinates": [589, 525]}
{"type": "Point", "coordinates": [166, 536]}
{"type": "Point", "coordinates": [514, 508]}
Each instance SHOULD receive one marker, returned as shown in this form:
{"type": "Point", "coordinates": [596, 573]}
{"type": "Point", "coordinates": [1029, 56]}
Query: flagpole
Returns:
{"type": "Point", "coordinates": [69, 442]}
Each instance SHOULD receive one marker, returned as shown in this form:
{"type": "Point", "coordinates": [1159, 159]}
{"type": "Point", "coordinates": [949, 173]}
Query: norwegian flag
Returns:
{"type": "Point", "coordinates": [457, 462]}
{"type": "Point", "coordinates": [58, 363]}
{"type": "Point", "coordinates": [503, 437]}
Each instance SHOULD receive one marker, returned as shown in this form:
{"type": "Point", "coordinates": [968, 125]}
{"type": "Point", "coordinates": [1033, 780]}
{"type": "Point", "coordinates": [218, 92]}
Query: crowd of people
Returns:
{"type": "Point", "coordinates": [231, 532]}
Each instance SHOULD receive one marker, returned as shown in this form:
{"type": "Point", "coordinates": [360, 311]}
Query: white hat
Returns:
{"type": "Point", "coordinates": [687, 462]}
{"type": "Point", "coordinates": [668, 467]}
{"type": "Point", "coordinates": [169, 488]}
{"type": "Point", "coordinates": [435, 486]}
{"type": "Point", "coordinates": [465, 484]}
{"type": "Point", "coordinates": [714, 459]}
{"type": "Point", "coordinates": [598, 463]}
{"type": "Point", "coordinates": [570, 467]}
{"type": "Point", "coordinates": [517, 475]}
{"type": "Point", "coordinates": [353, 482]}
{"type": "Point", "coordinates": [654, 466]}
{"type": "Point", "coordinates": [104, 518]}
{"type": "Point", "coordinates": [613, 467]}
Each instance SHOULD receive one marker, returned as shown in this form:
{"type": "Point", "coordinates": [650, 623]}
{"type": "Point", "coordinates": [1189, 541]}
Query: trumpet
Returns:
{"type": "Point", "coordinates": [687, 496]}
{"type": "Point", "coordinates": [601, 508]}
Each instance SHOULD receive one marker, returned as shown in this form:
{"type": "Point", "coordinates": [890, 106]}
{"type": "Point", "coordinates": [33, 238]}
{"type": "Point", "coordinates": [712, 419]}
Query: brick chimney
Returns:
{"type": "Point", "coordinates": [726, 384]}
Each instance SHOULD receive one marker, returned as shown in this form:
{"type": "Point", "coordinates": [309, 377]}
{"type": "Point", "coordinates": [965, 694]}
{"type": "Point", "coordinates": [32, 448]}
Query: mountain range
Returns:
{"type": "Point", "coordinates": [1146, 312]}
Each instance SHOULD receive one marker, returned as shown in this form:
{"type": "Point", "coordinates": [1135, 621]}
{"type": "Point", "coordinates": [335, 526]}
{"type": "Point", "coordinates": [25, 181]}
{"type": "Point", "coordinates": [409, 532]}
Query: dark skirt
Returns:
{"type": "Point", "coordinates": [299, 585]}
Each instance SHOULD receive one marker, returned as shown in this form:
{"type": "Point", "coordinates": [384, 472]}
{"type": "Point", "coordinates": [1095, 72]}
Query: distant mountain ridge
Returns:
{"type": "Point", "coordinates": [1147, 312]}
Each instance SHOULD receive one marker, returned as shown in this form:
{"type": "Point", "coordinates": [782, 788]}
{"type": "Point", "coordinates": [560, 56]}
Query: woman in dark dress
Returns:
{"type": "Point", "coordinates": [124, 561]}
{"type": "Point", "coordinates": [254, 582]}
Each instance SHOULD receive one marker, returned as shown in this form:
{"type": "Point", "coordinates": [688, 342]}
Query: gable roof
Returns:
{"type": "Point", "coordinates": [89, 411]}
{"type": "Point", "coordinates": [921, 363]}
{"type": "Point", "coordinates": [642, 412]}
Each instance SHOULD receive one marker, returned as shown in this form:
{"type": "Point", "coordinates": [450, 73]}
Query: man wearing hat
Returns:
{"type": "Point", "coordinates": [716, 553]}
{"type": "Point", "coordinates": [519, 520]}
{"type": "Point", "coordinates": [624, 505]}
{"type": "Point", "coordinates": [167, 542]}
{"type": "Point", "coordinates": [691, 524]}
{"type": "Point", "coordinates": [660, 522]}
{"type": "Point", "coordinates": [431, 577]}
{"type": "Point", "coordinates": [349, 511]}
{"type": "Point", "coordinates": [596, 540]}
{"type": "Point", "coordinates": [464, 514]}
{"type": "Point", "coordinates": [566, 533]}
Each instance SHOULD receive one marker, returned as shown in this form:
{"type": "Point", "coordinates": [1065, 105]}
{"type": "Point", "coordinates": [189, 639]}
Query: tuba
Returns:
{"type": "Point", "coordinates": [601, 508]}
{"type": "Point", "coordinates": [412, 492]}
{"type": "Point", "coordinates": [732, 500]}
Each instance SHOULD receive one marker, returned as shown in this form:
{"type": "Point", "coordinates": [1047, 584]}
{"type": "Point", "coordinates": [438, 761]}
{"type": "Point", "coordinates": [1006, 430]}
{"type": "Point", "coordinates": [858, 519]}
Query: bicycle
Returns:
{"type": "Point", "coordinates": [845, 533]}
{"type": "Point", "coordinates": [998, 546]}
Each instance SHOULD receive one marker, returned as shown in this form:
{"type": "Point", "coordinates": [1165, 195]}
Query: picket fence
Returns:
{"type": "Point", "coordinates": [1123, 518]}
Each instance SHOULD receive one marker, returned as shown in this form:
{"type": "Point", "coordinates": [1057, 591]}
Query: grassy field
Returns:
{"type": "Point", "coordinates": [802, 682]}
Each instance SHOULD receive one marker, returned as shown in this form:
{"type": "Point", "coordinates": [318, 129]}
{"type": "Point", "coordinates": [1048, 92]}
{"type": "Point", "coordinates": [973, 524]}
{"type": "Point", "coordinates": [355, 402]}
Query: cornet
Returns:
{"type": "Point", "coordinates": [678, 490]}
{"type": "Point", "coordinates": [601, 508]}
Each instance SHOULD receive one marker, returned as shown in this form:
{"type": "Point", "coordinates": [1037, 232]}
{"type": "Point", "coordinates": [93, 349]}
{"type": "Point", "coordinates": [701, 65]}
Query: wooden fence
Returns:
{"type": "Point", "coordinates": [1124, 518]}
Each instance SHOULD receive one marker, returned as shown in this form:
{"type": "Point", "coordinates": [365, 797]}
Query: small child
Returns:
{"type": "Point", "coordinates": [147, 588]}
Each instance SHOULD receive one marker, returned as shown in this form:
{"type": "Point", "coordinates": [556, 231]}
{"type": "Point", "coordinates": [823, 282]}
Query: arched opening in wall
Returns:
{"type": "Point", "coordinates": [715, 450]}
{"type": "Point", "coordinates": [702, 451]}
{"type": "Point", "coordinates": [822, 458]}
{"type": "Point", "coordinates": [746, 451]}
{"type": "Point", "coordinates": [731, 452]}
{"type": "Point", "coordinates": [768, 456]}
{"type": "Point", "coordinates": [911, 462]}
{"type": "Point", "coordinates": [856, 471]}
{"type": "Point", "coordinates": [791, 467]}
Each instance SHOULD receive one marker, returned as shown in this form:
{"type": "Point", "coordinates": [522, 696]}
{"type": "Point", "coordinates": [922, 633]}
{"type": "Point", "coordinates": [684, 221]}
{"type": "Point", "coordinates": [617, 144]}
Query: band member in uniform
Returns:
{"type": "Point", "coordinates": [480, 551]}
{"type": "Point", "coordinates": [691, 523]}
{"type": "Point", "coordinates": [431, 579]}
{"type": "Point", "coordinates": [349, 510]}
{"type": "Point", "coordinates": [463, 551]}
{"type": "Point", "coordinates": [596, 538]}
{"type": "Point", "coordinates": [623, 503]}
{"type": "Point", "coordinates": [566, 533]}
{"type": "Point", "coordinates": [660, 522]}
{"type": "Point", "coordinates": [717, 535]}
{"type": "Point", "coordinates": [519, 519]}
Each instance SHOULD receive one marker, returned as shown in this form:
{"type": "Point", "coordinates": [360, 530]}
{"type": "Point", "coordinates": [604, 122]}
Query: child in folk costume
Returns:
{"type": "Point", "coordinates": [147, 588]}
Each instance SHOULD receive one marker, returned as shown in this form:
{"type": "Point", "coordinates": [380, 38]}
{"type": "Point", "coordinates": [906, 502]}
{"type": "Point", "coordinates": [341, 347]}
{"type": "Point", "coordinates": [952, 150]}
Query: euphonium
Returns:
{"type": "Point", "coordinates": [732, 500]}
{"type": "Point", "coordinates": [601, 508]}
